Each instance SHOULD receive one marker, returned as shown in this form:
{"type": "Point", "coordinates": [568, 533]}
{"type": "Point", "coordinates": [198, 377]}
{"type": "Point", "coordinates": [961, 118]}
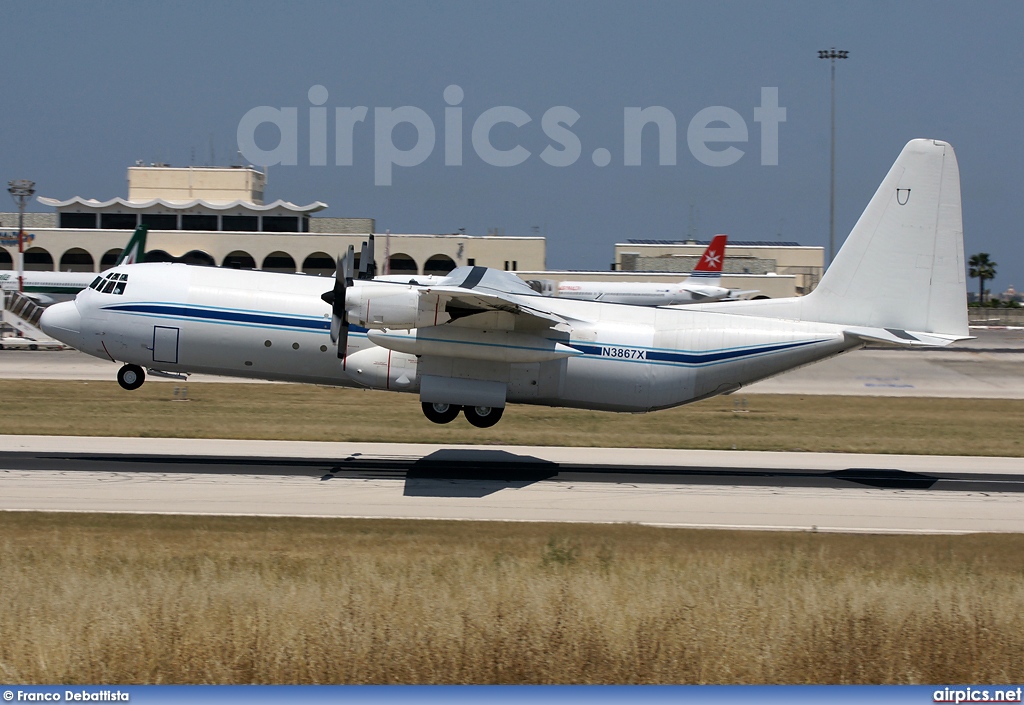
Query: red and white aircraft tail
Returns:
{"type": "Point", "coordinates": [709, 268]}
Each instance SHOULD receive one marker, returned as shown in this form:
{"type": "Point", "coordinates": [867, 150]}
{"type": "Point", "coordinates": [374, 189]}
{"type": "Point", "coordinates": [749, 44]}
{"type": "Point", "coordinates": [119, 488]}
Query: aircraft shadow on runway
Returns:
{"type": "Point", "coordinates": [469, 472]}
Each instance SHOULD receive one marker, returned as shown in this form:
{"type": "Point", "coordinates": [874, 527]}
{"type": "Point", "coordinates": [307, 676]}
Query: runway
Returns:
{"type": "Point", "coordinates": [708, 489]}
{"type": "Point", "coordinates": [988, 367]}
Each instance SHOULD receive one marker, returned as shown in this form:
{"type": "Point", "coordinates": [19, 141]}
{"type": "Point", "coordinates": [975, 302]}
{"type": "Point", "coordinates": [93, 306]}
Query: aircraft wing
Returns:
{"type": "Point", "coordinates": [741, 294]}
{"type": "Point", "coordinates": [457, 300]}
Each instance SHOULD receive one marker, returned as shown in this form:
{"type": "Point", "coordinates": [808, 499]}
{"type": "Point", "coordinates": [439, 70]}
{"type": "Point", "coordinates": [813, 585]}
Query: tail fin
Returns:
{"type": "Point", "coordinates": [135, 250]}
{"type": "Point", "coordinates": [709, 267]}
{"type": "Point", "coordinates": [902, 266]}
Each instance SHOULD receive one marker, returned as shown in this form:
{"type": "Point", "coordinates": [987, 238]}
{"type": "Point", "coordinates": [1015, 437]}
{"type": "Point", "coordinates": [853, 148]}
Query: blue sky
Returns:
{"type": "Point", "coordinates": [91, 88]}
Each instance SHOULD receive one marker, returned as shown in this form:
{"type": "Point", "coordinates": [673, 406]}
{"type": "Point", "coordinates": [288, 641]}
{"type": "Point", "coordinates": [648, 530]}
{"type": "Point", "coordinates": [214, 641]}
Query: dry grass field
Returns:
{"type": "Point", "coordinates": [280, 411]}
{"type": "Point", "coordinates": [161, 599]}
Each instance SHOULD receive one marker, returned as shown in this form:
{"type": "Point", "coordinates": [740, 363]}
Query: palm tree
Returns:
{"type": "Point", "coordinates": [982, 268]}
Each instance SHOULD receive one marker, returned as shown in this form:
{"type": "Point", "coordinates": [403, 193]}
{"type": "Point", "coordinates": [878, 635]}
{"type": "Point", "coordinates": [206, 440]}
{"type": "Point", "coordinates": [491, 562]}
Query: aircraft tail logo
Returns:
{"type": "Point", "coordinates": [714, 256]}
{"type": "Point", "coordinates": [709, 266]}
{"type": "Point", "coordinates": [135, 250]}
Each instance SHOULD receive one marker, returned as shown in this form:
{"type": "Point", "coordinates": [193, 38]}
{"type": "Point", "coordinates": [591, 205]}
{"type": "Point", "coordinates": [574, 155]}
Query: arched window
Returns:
{"type": "Point", "coordinates": [6, 262]}
{"type": "Point", "coordinates": [76, 260]}
{"type": "Point", "coordinates": [402, 263]}
{"type": "Point", "coordinates": [38, 260]}
{"type": "Point", "coordinates": [239, 259]}
{"type": "Point", "coordinates": [279, 262]}
{"type": "Point", "coordinates": [158, 256]}
{"type": "Point", "coordinates": [439, 265]}
{"type": "Point", "coordinates": [110, 257]}
{"type": "Point", "coordinates": [198, 257]}
{"type": "Point", "coordinates": [319, 263]}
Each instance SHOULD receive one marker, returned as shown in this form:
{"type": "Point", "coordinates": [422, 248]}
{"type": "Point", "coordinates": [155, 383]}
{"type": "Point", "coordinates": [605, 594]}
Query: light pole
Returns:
{"type": "Point", "coordinates": [21, 190]}
{"type": "Point", "coordinates": [832, 55]}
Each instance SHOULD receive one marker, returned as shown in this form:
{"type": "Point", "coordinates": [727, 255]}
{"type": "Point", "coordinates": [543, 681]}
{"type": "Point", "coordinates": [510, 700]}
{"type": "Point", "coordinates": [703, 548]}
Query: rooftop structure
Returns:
{"type": "Point", "coordinates": [188, 198]}
{"type": "Point", "coordinates": [211, 184]}
{"type": "Point", "coordinates": [774, 257]}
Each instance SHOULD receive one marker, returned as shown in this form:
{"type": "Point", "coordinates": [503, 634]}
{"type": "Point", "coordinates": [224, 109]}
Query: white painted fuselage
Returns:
{"type": "Point", "coordinates": [263, 325]}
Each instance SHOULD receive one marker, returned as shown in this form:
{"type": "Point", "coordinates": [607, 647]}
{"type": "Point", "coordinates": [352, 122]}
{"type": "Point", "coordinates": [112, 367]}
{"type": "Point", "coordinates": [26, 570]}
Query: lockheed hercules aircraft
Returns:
{"type": "Point", "coordinates": [481, 338]}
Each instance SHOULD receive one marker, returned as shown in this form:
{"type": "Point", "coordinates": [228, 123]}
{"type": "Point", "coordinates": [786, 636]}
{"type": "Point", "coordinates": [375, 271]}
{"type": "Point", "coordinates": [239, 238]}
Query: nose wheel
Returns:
{"type": "Point", "coordinates": [131, 377]}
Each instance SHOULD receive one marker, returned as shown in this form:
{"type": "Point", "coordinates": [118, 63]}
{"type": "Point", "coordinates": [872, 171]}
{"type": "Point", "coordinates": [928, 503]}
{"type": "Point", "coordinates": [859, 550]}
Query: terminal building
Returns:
{"type": "Point", "coordinates": [217, 216]}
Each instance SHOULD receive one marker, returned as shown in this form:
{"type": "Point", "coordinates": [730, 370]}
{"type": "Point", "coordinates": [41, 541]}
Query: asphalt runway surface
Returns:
{"type": "Point", "coordinates": [708, 489]}
{"type": "Point", "coordinates": [989, 367]}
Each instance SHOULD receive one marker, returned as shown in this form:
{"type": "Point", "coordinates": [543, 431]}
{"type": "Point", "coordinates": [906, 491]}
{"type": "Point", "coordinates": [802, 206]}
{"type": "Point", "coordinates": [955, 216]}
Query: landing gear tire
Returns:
{"type": "Point", "coordinates": [131, 377]}
{"type": "Point", "coordinates": [483, 416]}
{"type": "Point", "coordinates": [441, 413]}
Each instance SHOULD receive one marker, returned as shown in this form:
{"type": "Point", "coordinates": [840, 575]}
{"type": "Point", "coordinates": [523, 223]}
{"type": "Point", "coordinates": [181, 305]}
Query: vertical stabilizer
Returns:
{"type": "Point", "coordinates": [902, 266]}
{"type": "Point", "coordinates": [709, 268]}
{"type": "Point", "coordinates": [135, 251]}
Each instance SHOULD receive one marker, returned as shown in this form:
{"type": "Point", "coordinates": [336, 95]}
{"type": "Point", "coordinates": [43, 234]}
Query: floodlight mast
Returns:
{"type": "Point", "coordinates": [832, 55]}
{"type": "Point", "coordinates": [21, 191]}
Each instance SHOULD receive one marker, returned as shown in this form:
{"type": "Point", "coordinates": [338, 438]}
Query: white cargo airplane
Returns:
{"type": "Point", "coordinates": [44, 286]}
{"type": "Point", "coordinates": [482, 338]}
{"type": "Point", "coordinates": [702, 286]}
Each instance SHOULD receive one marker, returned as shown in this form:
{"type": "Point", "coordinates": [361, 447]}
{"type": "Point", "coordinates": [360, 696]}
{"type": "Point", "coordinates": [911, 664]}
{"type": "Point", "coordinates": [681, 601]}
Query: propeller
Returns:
{"type": "Point", "coordinates": [336, 299]}
{"type": "Point", "coordinates": [367, 267]}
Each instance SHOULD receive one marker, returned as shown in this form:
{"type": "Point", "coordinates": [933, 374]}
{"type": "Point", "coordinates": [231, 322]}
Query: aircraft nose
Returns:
{"type": "Point", "coordinates": [63, 322]}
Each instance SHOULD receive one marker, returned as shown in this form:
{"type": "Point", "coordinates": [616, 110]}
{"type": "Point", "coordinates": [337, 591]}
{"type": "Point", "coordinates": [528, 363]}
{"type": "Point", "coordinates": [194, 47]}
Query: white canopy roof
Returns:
{"type": "Point", "coordinates": [181, 205]}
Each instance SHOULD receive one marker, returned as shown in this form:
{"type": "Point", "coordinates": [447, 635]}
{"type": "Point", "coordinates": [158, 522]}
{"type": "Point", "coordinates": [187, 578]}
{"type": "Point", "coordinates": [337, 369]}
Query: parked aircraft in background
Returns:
{"type": "Point", "coordinates": [482, 338]}
{"type": "Point", "coordinates": [703, 285]}
{"type": "Point", "coordinates": [47, 287]}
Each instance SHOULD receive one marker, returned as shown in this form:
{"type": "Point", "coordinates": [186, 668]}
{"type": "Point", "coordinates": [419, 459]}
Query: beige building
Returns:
{"type": "Point", "coordinates": [217, 216]}
{"type": "Point", "coordinates": [766, 258]}
{"type": "Point", "coordinates": [214, 184]}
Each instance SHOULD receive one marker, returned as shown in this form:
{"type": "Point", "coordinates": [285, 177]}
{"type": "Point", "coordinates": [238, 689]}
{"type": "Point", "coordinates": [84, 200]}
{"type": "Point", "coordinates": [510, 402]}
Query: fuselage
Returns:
{"type": "Point", "coordinates": [263, 325]}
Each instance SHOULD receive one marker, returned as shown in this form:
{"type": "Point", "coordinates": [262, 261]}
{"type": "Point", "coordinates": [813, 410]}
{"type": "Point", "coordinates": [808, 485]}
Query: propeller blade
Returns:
{"type": "Point", "coordinates": [349, 264]}
{"type": "Point", "coordinates": [335, 328]}
{"type": "Point", "coordinates": [339, 318]}
{"type": "Point", "coordinates": [367, 267]}
{"type": "Point", "coordinates": [336, 299]}
{"type": "Point", "coordinates": [362, 262]}
{"type": "Point", "coordinates": [343, 341]}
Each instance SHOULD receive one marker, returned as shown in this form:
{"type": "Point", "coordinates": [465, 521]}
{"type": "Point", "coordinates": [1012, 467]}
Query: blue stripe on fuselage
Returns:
{"type": "Point", "coordinates": [236, 317]}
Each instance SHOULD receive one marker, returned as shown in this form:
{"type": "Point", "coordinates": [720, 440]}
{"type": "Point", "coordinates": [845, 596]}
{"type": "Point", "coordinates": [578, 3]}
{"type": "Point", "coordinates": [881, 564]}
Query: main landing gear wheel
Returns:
{"type": "Point", "coordinates": [483, 416]}
{"type": "Point", "coordinates": [131, 377]}
{"type": "Point", "coordinates": [441, 413]}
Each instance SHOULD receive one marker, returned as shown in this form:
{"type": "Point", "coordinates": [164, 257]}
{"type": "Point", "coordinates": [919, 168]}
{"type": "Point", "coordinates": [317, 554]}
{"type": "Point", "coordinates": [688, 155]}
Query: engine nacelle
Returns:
{"type": "Point", "coordinates": [389, 306]}
{"type": "Point", "coordinates": [380, 368]}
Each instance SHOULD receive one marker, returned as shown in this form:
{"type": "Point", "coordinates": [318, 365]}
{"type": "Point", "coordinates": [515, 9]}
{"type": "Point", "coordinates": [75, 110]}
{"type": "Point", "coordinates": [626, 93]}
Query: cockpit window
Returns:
{"type": "Point", "coordinates": [110, 284]}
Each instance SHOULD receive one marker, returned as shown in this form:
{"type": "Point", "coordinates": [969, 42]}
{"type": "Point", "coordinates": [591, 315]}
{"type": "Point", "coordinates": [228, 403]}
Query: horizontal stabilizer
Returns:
{"type": "Point", "coordinates": [895, 336]}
